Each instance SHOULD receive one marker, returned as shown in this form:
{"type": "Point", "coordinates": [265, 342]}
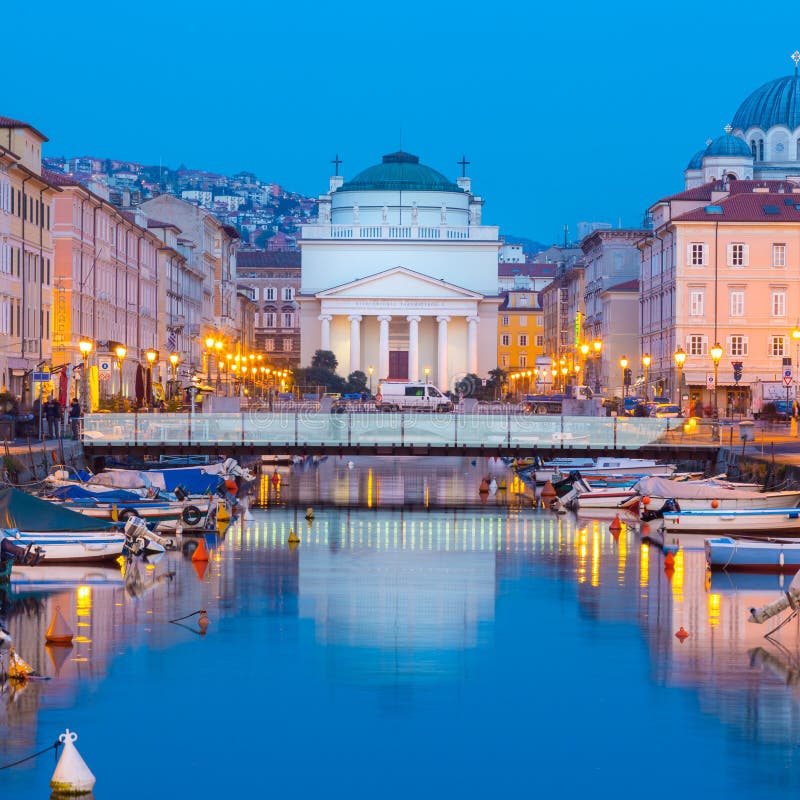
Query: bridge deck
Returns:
{"type": "Point", "coordinates": [255, 432]}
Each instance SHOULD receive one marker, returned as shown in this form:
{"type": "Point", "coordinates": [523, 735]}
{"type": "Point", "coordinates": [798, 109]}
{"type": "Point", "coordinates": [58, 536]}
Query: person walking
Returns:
{"type": "Point", "coordinates": [52, 412]}
{"type": "Point", "coordinates": [74, 416]}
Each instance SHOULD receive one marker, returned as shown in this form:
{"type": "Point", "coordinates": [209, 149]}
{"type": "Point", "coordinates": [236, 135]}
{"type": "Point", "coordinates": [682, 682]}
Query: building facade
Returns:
{"type": "Point", "coordinates": [400, 275]}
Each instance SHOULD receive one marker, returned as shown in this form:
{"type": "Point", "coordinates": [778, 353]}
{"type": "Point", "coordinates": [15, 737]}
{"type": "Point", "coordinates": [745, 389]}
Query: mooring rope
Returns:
{"type": "Point", "coordinates": [54, 746]}
{"type": "Point", "coordinates": [187, 616]}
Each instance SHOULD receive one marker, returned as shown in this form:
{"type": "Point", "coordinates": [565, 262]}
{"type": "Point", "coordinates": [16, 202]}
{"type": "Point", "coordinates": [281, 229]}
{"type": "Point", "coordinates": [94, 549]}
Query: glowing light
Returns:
{"type": "Point", "coordinates": [714, 605]}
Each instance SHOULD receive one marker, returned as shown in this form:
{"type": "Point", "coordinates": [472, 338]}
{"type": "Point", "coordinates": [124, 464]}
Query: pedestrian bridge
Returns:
{"type": "Point", "coordinates": [507, 434]}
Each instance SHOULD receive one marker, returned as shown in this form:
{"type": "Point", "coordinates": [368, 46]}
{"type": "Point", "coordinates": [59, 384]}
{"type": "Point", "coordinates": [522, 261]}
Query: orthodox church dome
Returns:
{"type": "Point", "coordinates": [400, 172]}
{"type": "Point", "coordinates": [727, 145]}
{"type": "Point", "coordinates": [774, 103]}
{"type": "Point", "coordinates": [697, 160]}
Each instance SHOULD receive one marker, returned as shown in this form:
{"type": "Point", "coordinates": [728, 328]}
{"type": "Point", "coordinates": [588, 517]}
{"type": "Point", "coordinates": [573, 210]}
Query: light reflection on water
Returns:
{"type": "Point", "coordinates": [477, 651]}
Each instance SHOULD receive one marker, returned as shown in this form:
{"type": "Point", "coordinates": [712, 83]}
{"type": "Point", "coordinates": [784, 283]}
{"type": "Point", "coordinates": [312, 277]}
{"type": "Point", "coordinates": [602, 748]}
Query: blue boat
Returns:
{"type": "Point", "coordinates": [774, 555]}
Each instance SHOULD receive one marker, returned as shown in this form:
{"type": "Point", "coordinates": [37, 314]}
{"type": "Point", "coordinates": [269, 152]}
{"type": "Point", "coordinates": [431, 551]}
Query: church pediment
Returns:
{"type": "Point", "coordinates": [399, 282]}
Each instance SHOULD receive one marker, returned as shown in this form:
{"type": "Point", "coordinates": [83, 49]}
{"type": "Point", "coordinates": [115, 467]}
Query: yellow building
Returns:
{"type": "Point", "coordinates": [521, 339]}
{"type": "Point", "coordinates": [26, 257]}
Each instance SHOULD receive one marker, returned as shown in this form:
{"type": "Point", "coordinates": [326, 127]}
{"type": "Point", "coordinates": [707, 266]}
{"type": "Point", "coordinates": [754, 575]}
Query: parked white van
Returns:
{"type": "Point", "coordinates": [410, 396]}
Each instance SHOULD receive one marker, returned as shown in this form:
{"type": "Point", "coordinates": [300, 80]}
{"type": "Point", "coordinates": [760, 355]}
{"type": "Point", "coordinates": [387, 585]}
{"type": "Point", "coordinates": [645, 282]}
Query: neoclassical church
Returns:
{"type": "Point", "coordinates": [399, 275]}
{"type": "Point", "coordinates": [761, 143]}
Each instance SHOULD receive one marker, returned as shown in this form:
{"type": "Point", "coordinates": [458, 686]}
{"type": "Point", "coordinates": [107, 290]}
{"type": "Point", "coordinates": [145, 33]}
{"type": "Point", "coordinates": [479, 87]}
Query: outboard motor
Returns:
{"type": "Point", "coordinates": [670, 506]}
{"type": "Point", "coordinates": [180, 493]}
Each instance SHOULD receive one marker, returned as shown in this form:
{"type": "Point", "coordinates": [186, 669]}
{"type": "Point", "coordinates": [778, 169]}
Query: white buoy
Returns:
{"type": "Point", "coordinates": [350, 465]}
{"type": "Point", "coordinates": [246, 515]}
{"type": "Point", "coordinates": [493, 486]}
{"type": "Point", "coordinates": [72, 776]}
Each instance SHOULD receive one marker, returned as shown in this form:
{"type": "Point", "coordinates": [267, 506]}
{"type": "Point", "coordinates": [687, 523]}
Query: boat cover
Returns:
{"type": "Point", "coordinates": [32, 514]}
{"type": "Point", "coordinates": [120, 479]}
{"type": "Point", "coordinates": [76, 492]}
{"type": "Point", "coordinates": [195, 480]}
{"type": "Point", "coordinates": [692, 490]}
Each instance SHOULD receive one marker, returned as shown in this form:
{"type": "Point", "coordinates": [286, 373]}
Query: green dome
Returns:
{"type": "Point", "coordinates": [400, 172]}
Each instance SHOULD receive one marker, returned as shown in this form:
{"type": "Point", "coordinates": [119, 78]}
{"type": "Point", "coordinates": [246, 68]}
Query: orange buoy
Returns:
{"type": "Point", "coordinates": [616, 524]}
{"type": "Point", "coordinates": [646, 500]}
{"type": "Point", "coordinates": [669, 572]}
{"type": "Point", "coordinates": [484, 488]}
{"type": "Point", "coordinates": [682, 635]}
{"type": "Point", "coordinates": [230, 485]}
{"type": "Point", "coordinates": [548, 490]}
{"type": "Point", "coordinates": [200, 552]}
{"type": "Point", "coordinates": [200, 568]}
{"type": "Point", "coordinates": [203, 622]}
{"type": "Point", "coordinates": [59, 632]}
{"type": "Point", "coordinates": [715, 504]}
{"type": "Point", "coordinates": [293, 537]}
{"type": "Point", "coordinates": [669, 559]}
{"type": "Point", "coordinates": [276, 478]}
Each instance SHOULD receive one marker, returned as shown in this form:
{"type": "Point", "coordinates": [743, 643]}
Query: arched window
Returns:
{"type": "Point", "coordinates": [754, 148]}
{"type": "Point", "coordinates": [760, 149]}
{"type": "Point", "coordinates": [798, 150]}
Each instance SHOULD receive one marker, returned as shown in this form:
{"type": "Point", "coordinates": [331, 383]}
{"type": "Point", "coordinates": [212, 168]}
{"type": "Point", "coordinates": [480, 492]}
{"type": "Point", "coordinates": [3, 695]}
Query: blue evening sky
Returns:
{"type": "Point", "coordinates": [575, 111]}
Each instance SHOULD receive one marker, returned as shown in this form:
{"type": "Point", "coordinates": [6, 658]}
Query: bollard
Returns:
{"type": "Point", "coordinates": [293, 537]}
{"type": "Point", "coordinates": [71, 776]}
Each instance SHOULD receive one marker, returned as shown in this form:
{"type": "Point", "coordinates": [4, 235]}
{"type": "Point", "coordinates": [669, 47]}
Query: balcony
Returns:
{"type": "Point", "coordinates": [474, 233]}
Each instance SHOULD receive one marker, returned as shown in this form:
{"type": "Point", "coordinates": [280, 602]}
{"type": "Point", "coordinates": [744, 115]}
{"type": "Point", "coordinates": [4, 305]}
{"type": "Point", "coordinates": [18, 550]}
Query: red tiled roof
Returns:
{"type": "Point", "coordinates": [627, 286]}
{"type": "Point", "coordinates": [734, 187]}
{"type": "Point", "coordinates": [742, 207]}
{"type": "Point", "coordinates": [268, 258]}
{"type": "Point", "coordinates": [58, 178]}
{"type": "Point", "coordinates": [7, 122]}
{"type": "Point", "coordinates": [697, 193]}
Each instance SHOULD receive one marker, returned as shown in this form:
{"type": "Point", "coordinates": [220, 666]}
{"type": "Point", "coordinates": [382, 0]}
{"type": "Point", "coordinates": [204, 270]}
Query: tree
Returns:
{"type": "Point", "coordinates": [325, 360]}
{"type": "Point", "coordinates": [312, 377]}
{"type": "Point", "coordinates": [356, 382]}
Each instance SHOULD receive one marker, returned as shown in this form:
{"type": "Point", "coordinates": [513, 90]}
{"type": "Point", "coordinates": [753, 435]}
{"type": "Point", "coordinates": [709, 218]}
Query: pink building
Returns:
{"type": "Point", "coordinates": [721, 267]}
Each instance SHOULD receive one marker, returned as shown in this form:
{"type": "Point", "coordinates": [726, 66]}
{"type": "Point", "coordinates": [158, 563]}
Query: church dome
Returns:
{"type": "Point", "coordinates": [728, 145]}
{"type": "Point", "coordinates": [400, 172]}
{"type": "Point", "coordinates": [697, 160]}
{"type": "Point", "coordinates": [774, 103]}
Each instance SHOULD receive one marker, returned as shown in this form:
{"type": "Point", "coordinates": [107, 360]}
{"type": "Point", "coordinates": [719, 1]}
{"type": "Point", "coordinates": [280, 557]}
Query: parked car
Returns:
{"type": "Point", "coordinates": [666, 410]}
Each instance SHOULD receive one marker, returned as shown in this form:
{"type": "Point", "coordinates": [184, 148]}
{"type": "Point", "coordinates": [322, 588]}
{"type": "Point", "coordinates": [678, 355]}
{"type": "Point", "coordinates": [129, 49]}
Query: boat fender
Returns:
{"type": "Point", "coordinates": [191, 515]}
{"type": "Point", "coordinates": [125, 513]}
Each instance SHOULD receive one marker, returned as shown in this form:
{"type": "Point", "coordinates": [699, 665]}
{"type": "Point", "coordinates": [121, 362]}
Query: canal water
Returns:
{"type": "Point", "coordinates": [458, 645]}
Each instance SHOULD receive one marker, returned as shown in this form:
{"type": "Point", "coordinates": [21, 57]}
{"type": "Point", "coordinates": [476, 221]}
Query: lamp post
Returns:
{"type": "Point", "coordinates": [370, 370]}
{"type": "Point", "coordinates": [85, 346]}
{"type": "Point", "coordinates": [210, 342]}
{"type": "Point", "coordinates": [646, 361]}
{"type": "Point", "coordinates": [623, 363]}
{"type": "Point", "coordinates": [680, 360]}
{"type": "Point", "coordinates": [121, 351]}
{"type": "Point", "coordinates": [597, 347]}
{"type": "Point", "coordinates": [218, 344]}
{"type": "Point", "coordinates": [585, 353]}
{"type": "Point", "coordinates": [174, 359]}
{"type": "Point", "coordinates": [796, 367]}
{"type": "Point", "coordinates": [228, 358]}
{"type": "Point", "coordinates": [716, 355]}
{"type": "Point", "coordinates": [151, 355]}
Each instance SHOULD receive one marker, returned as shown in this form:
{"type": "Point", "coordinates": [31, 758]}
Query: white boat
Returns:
{"type": "Point", "coordinates": [605, 465]}
{"type": "Point", "coordinates": [56, 578]}
{"type": "Point", "coordinates": [761, 556]}
{"type": "Point", "coordinates": [583, 495]}
{"type": "Point", "coordinates": [710, 494]}
{"type": "Point", "coordinates": [750, 522]}
{"type": "Point", "coordinates": [68, 546]}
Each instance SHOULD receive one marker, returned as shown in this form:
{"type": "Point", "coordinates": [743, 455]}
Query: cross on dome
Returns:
{"type": "Point", "coordinates": [796, 58]}
{"type": "Point", "coordinates": [727, 129]}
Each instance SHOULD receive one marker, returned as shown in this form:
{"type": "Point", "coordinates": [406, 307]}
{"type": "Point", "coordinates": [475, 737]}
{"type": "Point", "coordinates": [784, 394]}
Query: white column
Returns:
{"type": "Point", "coordinates": [383, 347]}
{"type": "Point", "coordinates": [472, 344]}
{"type": "Point", "coordinates": [413, 348]}
{"type": "Point", "coordinates": [355, 342]}
{"type": "Point", "coordinates": [442, 379]}
{"type": "Point", "coordinates": [325, 333]}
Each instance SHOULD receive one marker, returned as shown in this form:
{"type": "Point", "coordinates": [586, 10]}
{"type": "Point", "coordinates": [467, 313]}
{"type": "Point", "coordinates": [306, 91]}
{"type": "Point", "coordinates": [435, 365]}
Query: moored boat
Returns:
{"type": "Point", "coordinates": [744, 554]}
{"type": "Point", "coordinates": [603, 466]}
{"type": "Point", "coordinates": [751, 522]}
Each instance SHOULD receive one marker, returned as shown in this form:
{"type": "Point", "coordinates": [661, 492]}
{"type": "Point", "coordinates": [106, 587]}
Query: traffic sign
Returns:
{"type": "Point", "coordinates": [104, 370]}
{"type": "Point", "coordinates": [41, 377]}
{"type": "Point", "coordinates": [709, 380]}
{"type": "Point", "coordinates": [787, 377]}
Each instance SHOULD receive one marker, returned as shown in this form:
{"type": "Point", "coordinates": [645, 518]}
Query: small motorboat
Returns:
{"type": "Point", "coordinates": [749, 521]}
{"type": "Point", "coordinates": [761, 556]}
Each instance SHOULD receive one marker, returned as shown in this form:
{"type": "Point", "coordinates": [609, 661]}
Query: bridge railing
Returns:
{"type": "Point", "coordinates": [437, 430]}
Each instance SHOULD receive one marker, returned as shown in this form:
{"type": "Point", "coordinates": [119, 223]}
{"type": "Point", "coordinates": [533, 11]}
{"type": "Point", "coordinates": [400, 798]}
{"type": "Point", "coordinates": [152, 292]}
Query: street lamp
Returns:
{"type": "Point", "coordinates": [174, 359]}
{"type": "Point", "coordinates": [680, 360]}
{"type": "Point", "coordinates": [121, 351]}
{"type": "Point", "coordinates": [597, 346]}
{"type": "Point", "coordinates": [210, 342]}
{"type": "Point", "coordinates": [85, 346]}
{"type": "Point", "coordinates": [370, 370]}
{"type": "Point", "coordinates": [218, 344]}
{"type": "Point", "coordinates": [623, 363]}
{"type": "Point", "coordinates": [716, 355]}
{"type": "Point", "coordinates": [646, 361]}
{"type": "Point", "coordinates": [151, 356]}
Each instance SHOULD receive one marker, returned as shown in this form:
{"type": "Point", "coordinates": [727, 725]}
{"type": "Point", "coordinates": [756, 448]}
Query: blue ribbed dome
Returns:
{"type": "Point", "coordinates": [728, 145]}
{"type": "Point", "coordinates": [774, 103]}
{"type": "Point", "coordinates": [697, 160]}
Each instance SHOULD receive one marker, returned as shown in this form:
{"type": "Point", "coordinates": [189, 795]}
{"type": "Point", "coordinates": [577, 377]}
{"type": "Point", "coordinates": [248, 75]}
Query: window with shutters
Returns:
{"type": "Point", "coordinates": [523, 340]}
{"type": "Point", "coordinates": [505, 340]}
{"type": "Point", "coordinates": [697, 302]}
{"type": "Point", "coordinates": [523, 359]}
{"type": "Point", "coordinates": [269, 293]}
{"type": "Point", "coordinates": [779, 255]}
{"type": "Point", "coordinates": [540, 341]}
{"type": "Point", "coordinates": [737, 254]}
{"type": "Point", "coordinates": [505, 321]}
{"type": "Point", "coordinates": [523, 319]}
{"type": "Point", "coordinates": [269, 345]}
{"type": "Point", "coordinates": [697, 345]}
{"type": "Point", "coordinates": [696, 256]}
{"type": "Point", "coordinates": [288, 293]}
{"type": "Point", "coordinates": [777, 346]}
{"type": "Point", "coordinates": [737, 345]}
{"type": "Point", "coordinates": [778, 303]}
{"type": "Point", "coordinates": [737, 303]}
{"type": "Point", "coordinates": [287, 345]}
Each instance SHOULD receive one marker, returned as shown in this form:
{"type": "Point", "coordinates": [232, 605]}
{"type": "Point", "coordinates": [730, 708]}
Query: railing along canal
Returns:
{"type": "Point", "coordinates": [310, 429]}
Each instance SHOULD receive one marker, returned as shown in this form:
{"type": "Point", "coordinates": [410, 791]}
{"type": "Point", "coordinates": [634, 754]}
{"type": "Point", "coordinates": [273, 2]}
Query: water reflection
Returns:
{"type": "Point", "coordinates": [424, 626]}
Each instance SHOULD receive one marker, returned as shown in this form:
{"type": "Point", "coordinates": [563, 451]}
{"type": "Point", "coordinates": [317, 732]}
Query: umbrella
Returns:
{"type": "Point", "coordinates": [63, 387]}
{"type": "Point", "coordinates": [139, 387]}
